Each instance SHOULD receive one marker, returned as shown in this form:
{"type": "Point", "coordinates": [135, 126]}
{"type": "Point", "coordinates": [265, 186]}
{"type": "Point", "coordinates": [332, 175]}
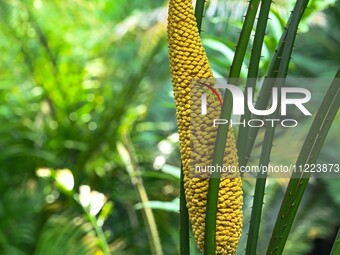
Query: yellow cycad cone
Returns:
{"type": "Point", "coordinates": [197, 138]}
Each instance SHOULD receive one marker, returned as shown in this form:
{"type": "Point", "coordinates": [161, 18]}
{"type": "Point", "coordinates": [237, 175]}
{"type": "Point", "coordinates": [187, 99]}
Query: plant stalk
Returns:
{"type": "Point", "coordinates": [128, 156]}
{"type": "Point", "coordinates": [252, 75]}
{"type": "Point", "coordinates": [199, 10]}
{"type": "Point", "coordinates": [336, 246]}
{"type": "Point", "coordinates": [222, 131]}
{"type": "Point", "coordinates": [183, 220]}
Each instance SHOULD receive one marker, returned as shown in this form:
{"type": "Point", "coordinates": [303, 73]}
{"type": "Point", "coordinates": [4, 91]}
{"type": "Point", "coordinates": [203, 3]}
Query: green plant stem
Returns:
{"type": "Point", "coordinates": [243, 41]}
{"type": "Point", "coordinates": [127, 153]}
{"type": "Point", "coordinates": [199, 10]}
{"type": "Point", "coordinates": [252, 74]}
{"type": "Point", "coordinates": [222, 131]}
{"type": "Point", "coordinates": [336, 246]}
{"type": "Point", "coordinates": [256, 212]}
{"type": "Point", "coordinates": [255, 218]}
{"type": "Point", "coordinates": [211, 211]}
{"type": "Point", "coordinates": [93, 220]}
{"type": "Point", "coordinates": [308, 155]}
{"type": "Point", "coordinates": [183, 220]}
{"type": "Point", "coordinates": [210, 231]}
{"type": "Point", "coordinates": [100, 233]}
{"type": "Point", "coordinates": [297, 14]}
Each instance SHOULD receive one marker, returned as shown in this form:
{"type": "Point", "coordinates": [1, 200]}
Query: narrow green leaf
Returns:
{"type": "Point", "coordinates": [336, 245]}
{"type": "Point", "coordinates": [222, 132]}
{"type": "Point", "coordinates": [297, 14]}
{"type": "Point", "coordinates": [252, 74]}
{"type": "Point", "coordinates": [256, 212]}
{"type": "Point", "coordinates": [199, 10]}
{"type": "Point", "coordinates": [244, 39]}
{"type": "Point", "coordinates": [255, 218]}
{"type": "Point", "coordinates": [210, 217]}
{"type": "Point", "coordinates": [183, 221]}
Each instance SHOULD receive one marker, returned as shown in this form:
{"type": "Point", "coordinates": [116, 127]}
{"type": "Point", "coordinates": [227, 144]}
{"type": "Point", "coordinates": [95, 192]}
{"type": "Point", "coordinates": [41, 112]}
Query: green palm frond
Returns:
{"type": "Point", "coordinates": [18, 220]}
{"type": "Point", "coordinates": [67, 234]}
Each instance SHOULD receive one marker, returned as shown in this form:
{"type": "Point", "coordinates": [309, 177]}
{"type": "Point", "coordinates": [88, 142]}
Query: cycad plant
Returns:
{"type": "Point", "coordinates": [212, 204]}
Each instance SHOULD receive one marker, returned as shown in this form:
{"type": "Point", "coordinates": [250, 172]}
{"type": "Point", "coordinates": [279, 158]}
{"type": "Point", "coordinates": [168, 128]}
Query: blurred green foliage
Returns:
{"type": "Point", "coordinates": [85, 86]}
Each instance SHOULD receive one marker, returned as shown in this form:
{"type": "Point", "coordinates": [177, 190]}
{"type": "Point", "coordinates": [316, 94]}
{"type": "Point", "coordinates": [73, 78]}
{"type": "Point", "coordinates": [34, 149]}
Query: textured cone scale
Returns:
{"type": "Point", "coordinates": [187, 61]}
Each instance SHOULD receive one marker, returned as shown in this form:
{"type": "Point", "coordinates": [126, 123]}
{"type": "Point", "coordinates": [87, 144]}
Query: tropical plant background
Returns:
{"type": "Point", "coordinates": [89, 160]}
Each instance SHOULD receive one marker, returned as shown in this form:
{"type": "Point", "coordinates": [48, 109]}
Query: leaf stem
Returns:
{"type": "Point", "coordinates": [127, 153]}
{"type": "Point", "coordinates": [183, 220]}
{"type": "Point", "coordinates": [100, 233]}
{"type": "Point", "coordinates": [336, 245]}
{"type": "Point", "coordinates": [222, 131]}
{"type": "Point", "coordinates": [199, 10]}
{"type": "Point", "coordinates": [244, 39]}
{"type": "Point", "coordinates": [252, 75]}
